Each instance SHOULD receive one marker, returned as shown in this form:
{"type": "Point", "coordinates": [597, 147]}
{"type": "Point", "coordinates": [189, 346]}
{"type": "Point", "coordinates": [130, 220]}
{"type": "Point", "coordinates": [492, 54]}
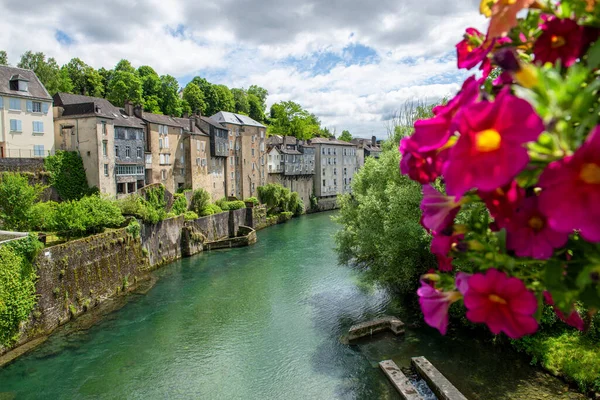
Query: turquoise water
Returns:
{"type": "Point", "coordinates": [262, 322]}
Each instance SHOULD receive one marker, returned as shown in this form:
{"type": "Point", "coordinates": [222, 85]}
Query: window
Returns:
{"type": "Point", "coordinates": [181, 146]}
{"type": "Point", "coordinates": [160, 143]}
{"type": "Point", "coordinates": [127, 151]}
{"type": "Point", "coordinates": [105, 169]}
{"type": "Point", "coordinates": [203, 146]}
{"type": "Point", "coordinates": [116, 151]}
{"type": "Point", "coordinates": [130, 169]}
{"type": "Point", "coordinates": [324, 182]}
{"type": "Point", "coordinates": [15, 125]}
{"type": "Point", "coordinates": [334, 182]}
{"type": "Point", "coordinates": [1, 102]}
{"type": "Point", "coordinates": [38, 127]}
{"type": "Point", "coordinates": [232, 175]}
{"type": "Point", "coordinates": [34, 106]}
{"type": "Point", "coordinates": [262, 134]}
{"type": "Point", "coordinates": [253, 166]}
{"type": "Point", "coordinates": [163, 129]}
{"type": "Point", "coordinates": [104, 132]}
{"type": "Point", "coordinates": [15, 104]}
{"type": "Point", "coordinates": [104, 149]}
{"type": "Point", "coordinates": [120, 188]}
{"type": "Point", "coordinates": [168, 158]}
{"type": "Point", "coordinates": [166, 142]}
{"type": "Point", "coordinates": [253, 136]}
{"type": "Point", "coordinates": [163, 174]}
{"type": "Point", "coordinates": [270, 157]}
{"type": "Point", "coordinates": [231, 161]}
{"type": "Point", "coordinates": [38, 150]}
{"type": "Point", "coordinates": [252, 152]}
{"type": "Point", "coordinates": [139, 152]}
{"type": "Point", "coordinates": [231, 144]}
{"type": "Point", "coordinates": [323, 150]}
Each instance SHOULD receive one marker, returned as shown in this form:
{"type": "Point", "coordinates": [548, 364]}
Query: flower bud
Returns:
{"type": "Point", "coordinates": [506, 59]}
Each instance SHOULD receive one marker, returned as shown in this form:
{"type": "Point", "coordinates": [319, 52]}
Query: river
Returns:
{"type": "Point", "coordinates": [262, 322]}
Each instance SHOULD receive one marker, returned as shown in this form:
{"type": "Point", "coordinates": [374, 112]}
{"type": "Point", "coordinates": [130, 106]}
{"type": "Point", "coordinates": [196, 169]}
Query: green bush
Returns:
{"type": "Point", "coordinates": [210, 210]}
{"type": "Point", "coordinates": [180, 204]}
{"type": "Point", "coordinates": [254, 200]}
{"type": "Point", "coordinates": [17, 286]}
{"type": "Point", "coordinates": [89, 215]}
{"type": "Point", "coordinates": [190, 216]}
{"type": "Point", "coordinates": [41, 215]}
{"type": "Point", "coordinates": [67, 175]}
{"type": "Point", "coordinates": [223, 204]}
{"type": "Point", "coordinates": [130, 205]}
{"type": "Point", "coordinates": [236, 205]}
{"type": "Point", "coordinates": [314, 202]}
{"type": "Point", "coordinates": [295, 204]}
{"type": "Point", "coordinates": [17, 198]}
{"type": "Point", "coordinates": [279, 199]}
{"type": "Point", "coordinates": [200, 200]}
{"type": "Point", "coordinates": [134, 228]}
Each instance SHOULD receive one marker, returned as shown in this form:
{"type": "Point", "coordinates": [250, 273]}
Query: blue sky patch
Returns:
{"type": "Point", "coordinates": [63, 38]}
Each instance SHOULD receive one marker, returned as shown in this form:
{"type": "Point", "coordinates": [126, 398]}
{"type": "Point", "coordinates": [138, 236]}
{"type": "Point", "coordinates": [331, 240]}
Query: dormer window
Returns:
{"type": "Point", "coordinates": [19, 83]}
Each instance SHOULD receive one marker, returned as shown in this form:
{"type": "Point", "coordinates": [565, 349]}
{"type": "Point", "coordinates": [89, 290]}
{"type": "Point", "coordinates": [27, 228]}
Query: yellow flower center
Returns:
{"type": "Point", "coordinates": [496, 299]}
{"type": "Point", "coordinates": [557, 41]}
{"type": "Point", "coordinates": [536, 223]}
{"type": "Point", "coordinates": [527, 76]}
{"type": "Point", "coordinates": [590, 173]}
{"type": "Point", "coordinates": [469, 48]}
{"type": "Point", "coordinates": [488, 140]}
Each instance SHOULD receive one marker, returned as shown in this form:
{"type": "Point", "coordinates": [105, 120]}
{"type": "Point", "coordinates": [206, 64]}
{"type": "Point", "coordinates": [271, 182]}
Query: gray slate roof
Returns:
{"type": "Point", "coordinates": [76, 105]}
{"type": "Point", "coordinates": [330, 142]}
{"type": "Point", "coordinates": [236, 119]}
{"type": "Point", "coordinates": [35, 88]}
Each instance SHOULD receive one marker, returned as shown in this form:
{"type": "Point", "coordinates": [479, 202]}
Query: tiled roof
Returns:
{"type": "Point", "coordinates": [212, 121]}
{"type": "Point", "coordinates": [76, 105]}
{"type": "Point", "coordinates": [161, 119]}
{"type": "Point", "coordinates": [185, 124]}
{"type": "Point", "coordinates": [236, 119]}
{"type": "Point", "coordinates": [35, 89]}
{"type": "Point", "coordinates": [330, 142]}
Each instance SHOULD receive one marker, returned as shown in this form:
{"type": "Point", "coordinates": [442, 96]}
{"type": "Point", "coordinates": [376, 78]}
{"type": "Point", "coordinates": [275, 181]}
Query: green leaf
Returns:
{"type": "Point", "coordinates": [594, 56]}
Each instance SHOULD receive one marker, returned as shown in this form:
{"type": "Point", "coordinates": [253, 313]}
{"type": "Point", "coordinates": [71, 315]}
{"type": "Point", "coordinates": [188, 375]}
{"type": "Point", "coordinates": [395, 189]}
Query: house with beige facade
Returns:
{"type": "Point", "coordinates": [247, 154]}
{"type": "Point", "coordinates": [26, 125]}
{"type": "Point", "coordinates": [109, 139]}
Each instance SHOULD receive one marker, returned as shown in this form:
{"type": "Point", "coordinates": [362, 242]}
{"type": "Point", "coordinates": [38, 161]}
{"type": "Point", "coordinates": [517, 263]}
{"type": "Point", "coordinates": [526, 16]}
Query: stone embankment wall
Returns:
{"type": "Point", "coordinates": [31, 165]}
{"type": "Point", "coordinates": [327, 204]}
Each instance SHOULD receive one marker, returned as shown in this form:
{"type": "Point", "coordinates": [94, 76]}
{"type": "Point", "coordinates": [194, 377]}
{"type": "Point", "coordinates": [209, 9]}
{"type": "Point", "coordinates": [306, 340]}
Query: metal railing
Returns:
{"type": "Point", "coordinates": [25, 153]}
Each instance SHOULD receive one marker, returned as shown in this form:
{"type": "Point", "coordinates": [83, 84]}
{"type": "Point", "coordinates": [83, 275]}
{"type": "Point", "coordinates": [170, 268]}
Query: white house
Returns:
{"type": "Point", "coordinates": [26, 125]}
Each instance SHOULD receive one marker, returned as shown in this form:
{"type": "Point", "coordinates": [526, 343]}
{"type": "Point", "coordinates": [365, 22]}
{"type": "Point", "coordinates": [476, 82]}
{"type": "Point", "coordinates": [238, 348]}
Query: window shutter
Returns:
{"type": "Point", "coordinates": [45, 108]}
{"type": "Point", "coordinates": [1, 102]}
{"type": "Point", "coordinates": [29, 106]}
{"type": "Point", "coordinates": [19, 126]}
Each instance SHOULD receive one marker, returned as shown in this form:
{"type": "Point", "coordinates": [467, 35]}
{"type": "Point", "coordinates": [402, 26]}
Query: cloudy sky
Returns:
{"type": "Point", "coordinates": [352, 63]}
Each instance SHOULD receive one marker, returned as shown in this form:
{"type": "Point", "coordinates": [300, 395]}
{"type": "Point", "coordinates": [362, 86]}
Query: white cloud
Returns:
{"type": "Point", "coordinates": [243, 43]}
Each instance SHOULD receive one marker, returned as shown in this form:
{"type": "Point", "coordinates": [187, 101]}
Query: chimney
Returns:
{"type": "Point", "coordinates": [192, 123]}
{"type": "Point", "coordinates": [138, 111]}
{"type": "Point", "coordinates": [128, 108]}
{"type": "Point", "coordinates": [373, 141]}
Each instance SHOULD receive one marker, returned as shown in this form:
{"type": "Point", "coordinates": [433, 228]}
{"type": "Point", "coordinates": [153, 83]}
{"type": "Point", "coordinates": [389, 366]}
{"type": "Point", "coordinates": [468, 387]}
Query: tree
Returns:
{"type": "Point", "coordinates": [345, 136]}
{"type": "Point", "coordinates": [47, 71]}
{"type": "Point", "coordinates": [151, 89]}
{"type": "Point", "coordinates": [194, 97]}
{"type": "Point", "coordinates": [3, 58]}
{"type": "Point", "coordinates": [124, 66]}
{"type": "Point", "coordinates": [210, 95]}
{"type": "Point", "coordinates": [261, 94]}
{"type": "Point", "coordinates": [17, 197]}
{"type": "Point", "coordinates": [240, 98]}
{"type": "Point", "coordinates": [226, 99]}
{"type": "Point", "coordinates": [289, 118]}
{"type": "Point", "coordinates": [255, 108]}
{"type": "Point", "coordinates": [124, 86]}
{"type": "Point", "coordinates": [85, 79]}
{"type": "Point", "coordinates": [170, 103]}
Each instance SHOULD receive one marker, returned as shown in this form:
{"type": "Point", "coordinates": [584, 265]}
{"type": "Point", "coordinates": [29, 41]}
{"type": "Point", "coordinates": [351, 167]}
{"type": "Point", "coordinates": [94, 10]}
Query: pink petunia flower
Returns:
{"type": "Point", "coordinates": [472, 50]}
{"type": "Point", "coordinates": [571, 191]}
{"type": "Point", "coordinates": [502, 203]}
{"type": "Point", "coordinates": [435, 304]}
{"type": "Point", "coordinates": [490, 151]}
{"type": "Point", "coordinates": [438, 210]}
{"type": "Point", "coordinates": [574, 319]}
{"type": "Point", "coordinates": [561, 39]}
{"type": "Point", "coordinates": [504, 304]}
{"type": "Point", "coordinates": [421, 166]}
{"type": "Point", "coordinates": [441, 246]}
{"type": "Point", "coordinates": [528, 233]}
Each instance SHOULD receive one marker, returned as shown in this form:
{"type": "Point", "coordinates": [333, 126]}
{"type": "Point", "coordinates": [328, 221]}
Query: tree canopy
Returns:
{"type": "Point", "coordinates": [345, 136]}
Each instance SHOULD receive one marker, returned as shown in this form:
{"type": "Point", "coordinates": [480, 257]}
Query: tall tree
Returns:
{"type": "Point", "coordinates": [289, 118]}
{"type": "Point", "coordinates": [226, 100]}
{"type": "Point", "coordinates": [105, 77]}
{"type": "Point", "coordinates": [345, 136]}
{"type": "Point", "coordinates": [255, 108]}
{"type": "Point", "coordinates": [151, 89]}
{"type": "Point", "coordinates": [211, 96]}
{"type": "Point", "coordinates": [86, 80]}
{"type": "Point", "coordinates": [125, 66]}
{"type": "Point", "coordinates": [194, 98]}
{"type": "Point", "coordinates": [240, 97]}
{"type": "Point", "coordinates": [47, 71]}
{"type": "Point", "coordinates": [3, 58]}
{"type": "Point", "coordinates": [124, 86]}
{"type": "Point", "coordinates": [170, 103]}
{"type": "Point", "coordinates": [261, 93]}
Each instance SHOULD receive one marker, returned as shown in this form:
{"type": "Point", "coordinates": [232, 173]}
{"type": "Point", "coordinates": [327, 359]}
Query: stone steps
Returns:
{"type": "Point", "coordinates": [386, 323]}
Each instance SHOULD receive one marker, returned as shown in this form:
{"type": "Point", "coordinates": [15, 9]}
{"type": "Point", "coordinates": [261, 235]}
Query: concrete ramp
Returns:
{"type": "Point", "coordinates": [399, 380]}
{"type": "Point", "coordinates": [443, 389]}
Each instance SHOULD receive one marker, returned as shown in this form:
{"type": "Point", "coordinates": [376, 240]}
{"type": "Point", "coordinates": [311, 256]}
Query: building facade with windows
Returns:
{"type": "Point", "coordinates": [367, 148]}
{"type": "Point", "coordinates": [26, 123]}
{"type": "Point", "coordinates": [247, 142]}
{"type": "Point", "coordinates": [110, 141]}
{"type": "Point", "coordinates": [291, 163]}
{"type": "Point", "coordinates": [336, 163]}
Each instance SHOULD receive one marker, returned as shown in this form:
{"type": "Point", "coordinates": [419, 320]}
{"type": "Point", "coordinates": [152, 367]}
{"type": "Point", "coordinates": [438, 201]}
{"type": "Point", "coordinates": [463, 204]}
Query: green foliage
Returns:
{"type": "Point", "coordinates": [254, 200]}
{"type": "Point", "coordinates": [190, 216]}
{"type": "Point", "coordinates": [236, 205]}
{"type": "Point", "coordinates": [134, 228]}
{"type": "Point", "coordinates": [314, 202]}
{"type": "Point", "coordinates": [124, 86]}
{"type": "Point", "coordinates": [194, 97]}
{"type": "Point", "coordinates": [200, 200]}
{"type": "Point", "coordinates": [380, 231]}
{"type": "Point", "coordinates": [210, 209]}
{"type": "Point", "coordinates": [84, 79]}
{"type": "Point", "coordinates": [180, 204]}
{"type": "Point", "coordinates": [89, 215]}
{"type": "Point", "coordinates": [41, 215]}
{"type": "Point", "coordinates": [345, 136]}
{"type": "Point", "coordinates": [240, 98]}
{"type": "Point", "coordinates": [17, 286]}
{"type": "Point", "coordinates": [289, 118]}
{"type": "Point", "coordinates": [16, 200]}
{"type": "Point", "coordinates": [226, 99]}
{"type": "Point", "coordinates": [3, 58]}
{"type": "Point", "coordinates": [67, 175]}
{"type": "Point", "coordinates": [223, 204]}
{"type": "Point", "coordinates": [280, 199]}
{"type": "Point", "coordinates": [47, 71]}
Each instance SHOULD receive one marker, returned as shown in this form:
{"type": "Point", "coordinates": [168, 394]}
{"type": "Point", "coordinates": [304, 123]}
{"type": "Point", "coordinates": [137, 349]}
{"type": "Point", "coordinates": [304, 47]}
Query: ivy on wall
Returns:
{"type": "Point", "coordinates": [67, 175]}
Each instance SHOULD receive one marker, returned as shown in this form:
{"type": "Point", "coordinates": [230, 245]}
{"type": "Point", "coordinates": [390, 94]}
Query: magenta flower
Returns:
{"type": "Point", "coordinates": [490, 151]}
{"type": "Point", "coordinates": [420, 166]}
{"type": "Point", "coordinates": [472, 50]}
{"type": "Point", "coordinates": [435, 304]}
{"type": "Point", "coordinates": [438, 210]}
{"type": "Point", "coordinates": [571, 191]}
{"type": "Point", "coordinates": [502, 203]}
{"type": "Point", "coordinates": [528, 233]}
{"type": "Point", "coordinates": [441, 246]}
{"type": "Point", "coordinates": [574, 319]}
{"type": "Point", "coordinates": [561, 39]}
{"type": "Point", "coordinates": [504, 304]}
